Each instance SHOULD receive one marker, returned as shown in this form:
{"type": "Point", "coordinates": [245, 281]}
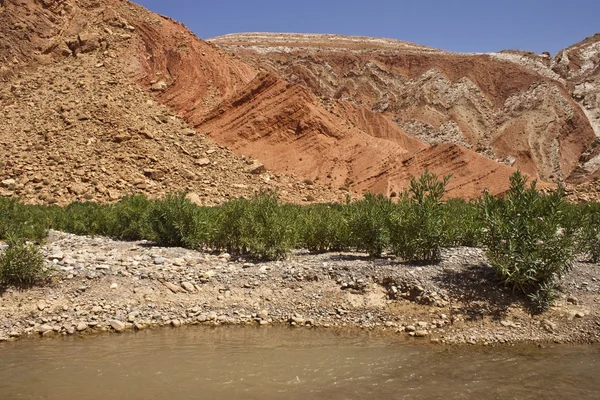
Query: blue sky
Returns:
{"type": "Point", "coordinates": [456, 25]}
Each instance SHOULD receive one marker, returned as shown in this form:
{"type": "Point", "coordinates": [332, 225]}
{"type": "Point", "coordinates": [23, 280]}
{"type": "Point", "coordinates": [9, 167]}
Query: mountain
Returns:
{"type": "Point", "coordinates": [105, 98]}
{"type": "Point", "coordinates": [81, 89]}
{"type": "Point", "coordinates": [513, 107]}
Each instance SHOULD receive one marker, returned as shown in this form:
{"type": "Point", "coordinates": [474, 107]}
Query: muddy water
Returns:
{"type": "Point", "coordinates": [277, 363]}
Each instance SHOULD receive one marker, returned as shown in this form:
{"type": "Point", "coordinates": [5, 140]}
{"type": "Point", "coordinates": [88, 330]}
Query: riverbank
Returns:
{"type": "Point", "coordinates": [104, 285]}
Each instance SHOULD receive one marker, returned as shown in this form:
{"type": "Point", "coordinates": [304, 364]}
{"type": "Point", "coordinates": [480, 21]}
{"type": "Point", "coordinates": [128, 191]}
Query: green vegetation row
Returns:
{"type": "Point", "coordinates": [531, 238]}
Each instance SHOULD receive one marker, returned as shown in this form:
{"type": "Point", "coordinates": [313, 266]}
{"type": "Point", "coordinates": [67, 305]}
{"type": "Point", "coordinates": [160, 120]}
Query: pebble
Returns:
{"type": "Point", "coordinates": [41, 305]}
{"type": "Point", "coordinates": [82, 326]}
{"type": "Point", "coordinates": [188, 286]}
{"type": "Point", "coordinates": [118, 326]}
{"type": "Point", "coordinates": [159, 261]}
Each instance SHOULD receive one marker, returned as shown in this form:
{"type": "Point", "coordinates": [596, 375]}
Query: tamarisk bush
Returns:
{"type": "Point", "coordinates": [525, 240]}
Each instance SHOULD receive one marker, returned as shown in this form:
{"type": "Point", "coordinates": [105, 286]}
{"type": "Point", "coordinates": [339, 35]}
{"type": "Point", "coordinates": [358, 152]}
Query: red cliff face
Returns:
{"type": "Point", "coordinates": [100, 99]}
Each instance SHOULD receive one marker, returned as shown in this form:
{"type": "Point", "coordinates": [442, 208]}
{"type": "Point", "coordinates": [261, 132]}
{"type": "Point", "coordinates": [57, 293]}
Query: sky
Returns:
{"type": "Point", "coordinates": [454, 25]}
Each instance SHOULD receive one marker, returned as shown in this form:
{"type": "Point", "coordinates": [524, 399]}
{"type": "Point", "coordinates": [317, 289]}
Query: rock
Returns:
{"type": "Point", "coordinates": [573, 300]}
{"type": "Point", "coordinates": [410, 328]}
{"type": "Point", "coordinates": [202, 318]}
{"type": "Point", "coordinates": [173, 288]}
{"type": "Point", "coordinates": [256, 168]}
{"type": "Point", "coordinates": [114, 285]}
{"type": "Point", "coordinates": [159, 86]}
{"type": "Point", "coordinates": [194, 198]}
{"type": "Point", "coordinates": [118, 326]}
{"type": "Point", "coordinates": [176, 323]}
{"type": "Point", "coordinates": [14, 334]}
{"type": "Point", "coordinates": [44, 328]}
{"type": "Point", "coordinates": [159, 261]}
{"type": "Point", "coordinates": [421, 333]}
{"type": "Point", "coordinates": [82, 326]}
{"type": "Point", "coordinates": [188, 286]}
{"type": "Point", "coordinates": [132, 316]}
{"type": "Point", "coordinates": [77, 189]}
{"type": "Point", "coordinates": [41, 305]}
{"type": "Point", "coordinates": [9, 182]}
{"type": "Point", "coordinates": [96, 309]}
{"type": "Point", "coordinates": [202, 162]}
{"type": "Point", "coordinates": [579, 314]}
{"type": "Point", "coordinates": [549, 326]}
{"type": "Point", "coordinates": [263, 314]}
{"type": "Point", "coordinates": [56, 256]}
{"type": "Point", "coordinates": [155, 174]}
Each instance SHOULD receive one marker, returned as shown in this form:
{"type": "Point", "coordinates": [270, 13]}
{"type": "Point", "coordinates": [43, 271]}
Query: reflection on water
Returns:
{"type": "Point", "coordinates": [277, 363]}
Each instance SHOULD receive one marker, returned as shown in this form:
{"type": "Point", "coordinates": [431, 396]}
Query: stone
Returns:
{"type": "Point", "coordinates": [82, 326]}
{"type": "Point", "coordinates": [132, 316]}
{"type": "Point", "coordinates": [176, 323]}
{"type": "Point", "coordinates": [421, 333]}
{"type": "Point", "coordinates": [410, 328]}
{"type": "Point", "coordinates": [118, 326]}
{"type": "Point", "coordinates": [202, 162]}
{"type": "Point", "coordinates": [44, 328]}
{"type": "Point", "coordinates": [96, 309]}
{"type": "Point", "coordinates": [159, 261]}
{"type": "Point", "coordinates": [14, 334]}
{"type": "Point", "coordinates": [9, 182]}
{"type": "Point", "coordinates": [159, 86]}
{"type": "Point", "coordinates": [173, 288]}
{"type": "Point", "coordinates": [194, 198]}
{"type": "Point", "coordinates": [41, 305]}
{"type": "Point", "coordinates": [573, 300]}
{"type": "Point", "coordinates": [114, 285]}
{"type": "Point", "coordinates": [188, 286]}
{"type": "Point", "coordinates": [256, 168]}
{"type": "Point", "coordinates": [263, 314]}
{"type": "Point", "coordinates": [202, 318]}
{"type": "Point", "coordinates": [549, 325]}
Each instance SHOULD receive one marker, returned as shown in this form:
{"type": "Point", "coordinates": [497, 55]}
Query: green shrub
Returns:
{"type": "Point", "coordinates": [174, 220]}
{"type": "Point", "coordinates": [21, 265]}
{"type": "Point", "coordinates": [461, 223]}
{"type": "Point", "coordinates": [131, 218]}
{"type": "Point", "coordinates": [324, 227]}
{"type": "Point", "coordinates": [368, 222]}
{"type": "Point", "coordinates": [23, 221]}
{"type": "Point", "coordinates": [587, 218]}
{"type": "Point", "coordinates": [416, 225]}
{"type": "Point", "coordinates": [258, 227]}
{"type": "Point", "coordinates": [85, 218]}
{"type": "Point", "coordinates": [526, 242]}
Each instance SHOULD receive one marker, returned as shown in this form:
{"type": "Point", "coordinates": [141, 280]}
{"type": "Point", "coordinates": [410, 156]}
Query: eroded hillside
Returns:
{"type": "Point", "coordinates": [509, 106]}
{"type": "Point", "coordinates": [76, 125]}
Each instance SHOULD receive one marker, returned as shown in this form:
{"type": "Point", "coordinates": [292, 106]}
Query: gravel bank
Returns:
{"type": "Point", "coordinates": [105, 285]}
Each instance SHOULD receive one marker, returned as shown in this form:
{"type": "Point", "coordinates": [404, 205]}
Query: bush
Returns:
{"type": "Point", "coordinates": [131, 218]}
{"type": "Point", "coordinates": [416, 225]}
{"type": "Point", "coordinates": [368, 222]}
{"type": "Point", "coordinates": [324, 227]}
{"type": "Point", "coordinates": [461, 223]}
{"type": "Point", "coordinates": [175, 222]}
{"type": "Point", "coordinates": [21, 265]}
{"type": "Point", "coordinates": [525, 240]}
{"type": "Point", "coordinates": [259, 227]}
{"type": "Point", "coordinates": [23, 221]}
{"type": "Point", "coordinates": [587, 218]}
{"type": "Point", "coordinates": [85, 218]}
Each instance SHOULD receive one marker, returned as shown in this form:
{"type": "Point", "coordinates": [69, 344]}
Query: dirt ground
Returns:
{"type": "Point", "coordinates": [103, 285]}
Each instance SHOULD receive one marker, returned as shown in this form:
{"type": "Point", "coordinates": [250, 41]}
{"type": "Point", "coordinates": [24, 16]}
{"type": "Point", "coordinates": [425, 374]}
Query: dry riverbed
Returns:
{"type": "Point", "coordinates": [100, 285]}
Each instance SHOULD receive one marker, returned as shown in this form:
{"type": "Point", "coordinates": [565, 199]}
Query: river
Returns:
{"type": "Point", "coordinates": [279, 363]}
